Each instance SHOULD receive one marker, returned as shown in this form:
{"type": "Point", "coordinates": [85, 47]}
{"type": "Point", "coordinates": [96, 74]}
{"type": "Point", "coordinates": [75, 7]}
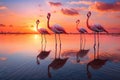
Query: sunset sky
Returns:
{"type": "Point", "coordinates": [20, 15]}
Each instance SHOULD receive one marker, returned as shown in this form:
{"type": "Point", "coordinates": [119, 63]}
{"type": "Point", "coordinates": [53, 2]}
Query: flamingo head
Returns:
{"type": "Point", "coordinates": [48, 15]}
{"type": "Point", "coordinates": [89, 14]}
{"type": "Point", "coordinates": [78, 21]}
{"type": "Point", "coordinates": [38, 21]}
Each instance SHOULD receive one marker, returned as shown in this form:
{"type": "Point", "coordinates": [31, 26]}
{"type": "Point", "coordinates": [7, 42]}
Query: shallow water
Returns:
{"type": "Point", "coordinates": [23, 57]}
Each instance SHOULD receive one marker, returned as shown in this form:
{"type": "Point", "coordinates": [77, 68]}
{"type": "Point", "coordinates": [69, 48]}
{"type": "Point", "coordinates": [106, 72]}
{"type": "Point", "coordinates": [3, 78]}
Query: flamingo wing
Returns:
{"type": "Point", "coordinates": [82, 30]}
{"type": "Point", "coordinates": [99, 28]}
{"type": "Point", "coordinates": [58, 29]}
{"type": "Point", "coordinates": [43, 31]}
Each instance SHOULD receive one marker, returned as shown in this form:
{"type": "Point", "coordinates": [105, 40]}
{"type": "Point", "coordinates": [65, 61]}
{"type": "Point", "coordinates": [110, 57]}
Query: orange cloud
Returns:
{"type": "Point", "coordinates": [3, 58]}
{"type": "Point", "coordinates": [56, 4]}
{"type": "Point", "coordinates": [70, 12]}
{"type": "Point", "coordinates": [105, 7]}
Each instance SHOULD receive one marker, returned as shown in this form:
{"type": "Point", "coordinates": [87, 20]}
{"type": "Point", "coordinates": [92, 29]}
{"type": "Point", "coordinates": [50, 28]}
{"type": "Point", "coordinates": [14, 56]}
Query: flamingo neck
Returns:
{"type": "Point", "coordinates": [49, 74]}
{"type": "Point", "coordinates": [48, 24]}
{"type": "Point", "coordinates": [77, 26]}
{"type": "Point", "coordinates": [88, 67]}
{"type": "Point", "coordinates": [37, 27]}
{"type": "Point", "coordinates": [87, 22]}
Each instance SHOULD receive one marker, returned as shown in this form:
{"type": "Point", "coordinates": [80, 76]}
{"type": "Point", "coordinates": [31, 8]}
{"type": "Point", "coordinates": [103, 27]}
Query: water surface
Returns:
{"type": "Point", "coordinates": [25, 57]}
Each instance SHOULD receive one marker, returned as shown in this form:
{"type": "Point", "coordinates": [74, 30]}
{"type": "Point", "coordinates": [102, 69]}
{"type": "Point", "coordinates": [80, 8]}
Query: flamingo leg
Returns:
{"type": "Point", "coordinates": [60, 45]}
{"type": "Point", "coordinates": [80, 41]}
{"type": "Point", "coordinates": [98, 45]}
{"type": "Point", "coordinates": [55, 46]}
{"type": "Point", "coordinates": [59, 39]}
{"type": "Point", "coordinates": [84, 41]}
{"type": "Point", "coordinates": [94, 44]}
{"type": "Point", "coordinates": [45, 42]}
{"type": "Point", "coordinates": [41, 41]}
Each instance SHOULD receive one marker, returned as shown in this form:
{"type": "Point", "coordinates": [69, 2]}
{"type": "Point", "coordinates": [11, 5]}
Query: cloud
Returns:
{"type": "Point", "coordinates": [3, 7]}
{"type": "Point", "coordinates": [3, 58]}
{"type": "Point", "coordinates": [2, 25]}
{"type": "Point", "coordinates": [80, 2]}
{"type": "Point", "coordinates": [56, 4]}
{"type": "Point", "coordinates": [70, 12]}
{"type": "Point", "coordinates": [105, 7]}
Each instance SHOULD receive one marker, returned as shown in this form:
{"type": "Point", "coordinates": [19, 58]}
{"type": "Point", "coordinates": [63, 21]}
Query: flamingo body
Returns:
{"type": "Point", "coordinates": [98, 28]}
{"type": "Point", "coordinates": [82, 30]}
{"type": "Point", "coordinates": [56, 28]}
{"type": "Point", "coordinates": [43, 31]}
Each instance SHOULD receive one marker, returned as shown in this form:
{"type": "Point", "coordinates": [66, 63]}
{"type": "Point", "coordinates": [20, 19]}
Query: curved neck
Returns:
{"type": "Point", "coordinates": [77, 26]}
{"type": "Point", "coordinates": [49, 74]}
{"type": "Point", "coordinates": [37, 27]}
{"type": "Point", "coordinates": [88, 72]}
{"type": "Point", "coordinates": [48, 23]}
{"type": "Point", "coordinates": [87, 22]}
{"type": "Point", "coordinates": [38, 62]}
{"type": "Point", "coordinates": [87, 67]}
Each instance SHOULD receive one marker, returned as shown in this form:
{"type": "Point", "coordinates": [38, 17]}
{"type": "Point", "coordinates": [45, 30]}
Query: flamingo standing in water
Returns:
{"type": "Point", "coordinates": [81, 31]}
{"type": "Point", "coordinates": [42, 31]}
{"type": "Point", "coordinates": [57, 29]}
{"type": "Point", "coordinates": [96, 28]}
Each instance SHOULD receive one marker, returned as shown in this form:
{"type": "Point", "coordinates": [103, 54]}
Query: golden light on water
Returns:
{"type": "Point", "coordinates": [36, 36]}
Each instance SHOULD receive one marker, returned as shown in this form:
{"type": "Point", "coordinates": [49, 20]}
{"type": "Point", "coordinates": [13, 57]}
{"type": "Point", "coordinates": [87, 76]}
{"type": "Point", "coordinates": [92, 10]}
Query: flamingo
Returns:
{"type": "Point", "coordinates": [57, 29]}
{"type": "Point", "coordinates": [42, 31]}
{"type": "Point", "coordinates": [96, 28]}
{"type": "Point", "coordinates": [81, 31]}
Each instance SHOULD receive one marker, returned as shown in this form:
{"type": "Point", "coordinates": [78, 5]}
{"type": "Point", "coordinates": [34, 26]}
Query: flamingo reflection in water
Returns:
{"type": "Point", "coordinates": [43, 53]}
{"type": "Point", "coordinates": [57, 63]}
{"type": "Point", "coordinates": [82, 52]}
{"type": "Point", "coordinates": [96, 63]}
{"type": "Point", "coordinates": [82, 32]}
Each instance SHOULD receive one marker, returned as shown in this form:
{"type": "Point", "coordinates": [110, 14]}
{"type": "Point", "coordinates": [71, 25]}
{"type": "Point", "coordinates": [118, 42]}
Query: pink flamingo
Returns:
{"type": "Point", "coordinates": [81, 31]}
{"type": "Point", "coordinates": [42, 31]}
{"type": "Point", "coordinates": [57, 29]}
{"type": "Point", "coordinates": [96, 28]}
